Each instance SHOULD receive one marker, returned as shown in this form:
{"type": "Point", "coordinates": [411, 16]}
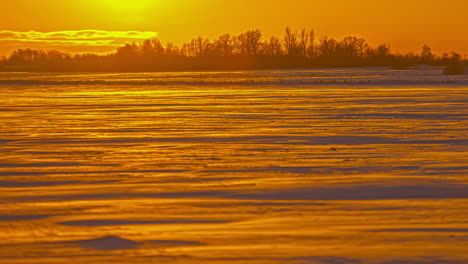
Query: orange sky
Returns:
{"type": "Point", "coordinates": [102, 25]}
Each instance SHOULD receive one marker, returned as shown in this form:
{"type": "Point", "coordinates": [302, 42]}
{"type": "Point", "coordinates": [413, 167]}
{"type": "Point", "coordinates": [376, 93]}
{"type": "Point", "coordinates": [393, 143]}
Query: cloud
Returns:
{"type": "Point", "coordinates": [75, 41]}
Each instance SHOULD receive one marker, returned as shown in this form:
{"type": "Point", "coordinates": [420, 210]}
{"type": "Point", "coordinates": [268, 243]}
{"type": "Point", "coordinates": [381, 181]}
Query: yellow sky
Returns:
{"type": "Point", "coordinates": [404, 24]}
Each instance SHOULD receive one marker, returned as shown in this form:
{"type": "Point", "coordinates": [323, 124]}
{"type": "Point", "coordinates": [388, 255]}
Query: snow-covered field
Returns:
{"type": "Point", "coordinates": [296, 166]}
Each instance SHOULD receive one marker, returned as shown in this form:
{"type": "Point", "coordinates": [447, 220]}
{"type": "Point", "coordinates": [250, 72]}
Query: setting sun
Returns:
{"type": "Point", "coordinates": [125, 6]}
{"type": "Point", "coordinates": [131, 13]}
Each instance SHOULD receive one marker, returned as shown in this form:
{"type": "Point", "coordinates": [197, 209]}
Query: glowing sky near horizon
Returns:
{"type": "Point", "coordinates": [405, 25]}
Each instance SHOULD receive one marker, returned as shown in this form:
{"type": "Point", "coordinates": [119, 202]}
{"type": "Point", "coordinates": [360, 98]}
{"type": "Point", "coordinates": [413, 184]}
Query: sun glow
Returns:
{"type": "Point", "coordinates": [129, 13]}
{"type": "Point", "coordinates": [125, 6]}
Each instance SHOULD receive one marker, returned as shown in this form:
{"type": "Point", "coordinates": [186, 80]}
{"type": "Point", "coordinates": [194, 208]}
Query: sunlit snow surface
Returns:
{"type": "Point", "coordinates": [297, 166]}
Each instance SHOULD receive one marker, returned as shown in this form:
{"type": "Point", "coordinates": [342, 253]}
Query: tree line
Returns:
{"type": "Point", "coordinates": [249, 50]}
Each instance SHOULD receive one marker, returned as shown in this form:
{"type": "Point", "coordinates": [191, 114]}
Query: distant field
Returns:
{"type": "Point", "coordinates": [287, 166]}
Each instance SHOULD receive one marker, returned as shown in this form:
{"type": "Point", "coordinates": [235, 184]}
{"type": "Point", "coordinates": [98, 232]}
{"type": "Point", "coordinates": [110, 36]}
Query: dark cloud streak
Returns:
{"type": "Point", "coordinates": [78, 41]}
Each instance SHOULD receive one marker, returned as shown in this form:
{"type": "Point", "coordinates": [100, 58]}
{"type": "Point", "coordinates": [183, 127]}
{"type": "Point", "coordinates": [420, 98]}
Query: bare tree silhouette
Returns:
{"type": "Point", "coordinates": [248, 50]}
